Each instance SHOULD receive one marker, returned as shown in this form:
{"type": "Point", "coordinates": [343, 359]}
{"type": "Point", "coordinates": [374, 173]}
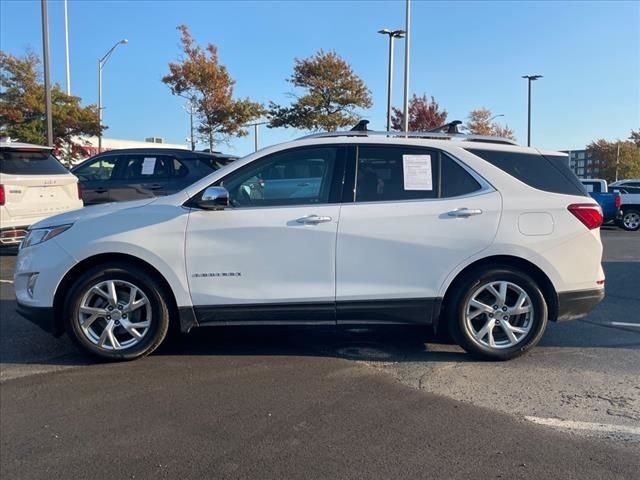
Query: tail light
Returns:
{"type": "Point", "coordinates": [79, 191]}
{"type": "Point", "coordinates": [589, 214]}
{"type": "Point", "coordinates": [2, 197]}
{"type": "Point", "coordinates": [618, 200]}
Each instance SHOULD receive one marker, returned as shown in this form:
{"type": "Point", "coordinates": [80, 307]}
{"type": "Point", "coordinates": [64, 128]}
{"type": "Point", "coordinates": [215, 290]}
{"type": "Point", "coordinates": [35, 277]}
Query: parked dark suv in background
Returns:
{"type": "Point", "coordinates": [134, 173]}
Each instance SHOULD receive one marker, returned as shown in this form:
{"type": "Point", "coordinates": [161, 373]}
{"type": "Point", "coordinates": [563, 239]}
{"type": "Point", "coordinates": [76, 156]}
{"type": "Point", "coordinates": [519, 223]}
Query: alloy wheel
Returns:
{"type": "Point", "coordinates": [631, 220]}
{"type": "Point", "coordinates": [114, 315]}
{"type": "Point", "coordinates": [499, 314]}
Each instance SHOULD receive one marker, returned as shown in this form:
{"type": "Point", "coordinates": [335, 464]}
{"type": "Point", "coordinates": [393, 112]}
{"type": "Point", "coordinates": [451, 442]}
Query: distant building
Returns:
{"type": "Point", "coordinates": [583, 164]}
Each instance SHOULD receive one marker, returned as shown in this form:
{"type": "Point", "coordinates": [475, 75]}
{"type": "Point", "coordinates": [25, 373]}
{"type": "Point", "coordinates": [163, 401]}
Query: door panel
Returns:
{"type": "Point", "coordinates": [95, 177]}
{"type": "Point", "coordinates": [249, 256]}
{"type": "Point", "coordinates": [140, 176]}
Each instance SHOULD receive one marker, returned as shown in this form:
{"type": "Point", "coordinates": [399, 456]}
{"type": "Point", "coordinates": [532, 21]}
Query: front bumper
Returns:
{"type": "Point", "coordinates": [43, 317]}
{"type": "Point", "coordinates": [577, 304]}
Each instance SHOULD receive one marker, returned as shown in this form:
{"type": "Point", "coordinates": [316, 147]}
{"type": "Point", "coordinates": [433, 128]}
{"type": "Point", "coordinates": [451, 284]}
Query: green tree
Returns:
{"type": "Point", "coordinates": [606, 155]}
{"type": "Point", "coordinates": [479, 123]}
{"type": "Point", "coordinates": [207, 84]}
{"type": "Point", "coordinates": [332, 94]}
{"type": "Point", "coordinates": [22, 108]}
{"type": "Point", "coordinates": [424, 114]}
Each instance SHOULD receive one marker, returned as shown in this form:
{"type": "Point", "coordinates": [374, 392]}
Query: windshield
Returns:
{"type": "Point", "coordinates": [33, 162]}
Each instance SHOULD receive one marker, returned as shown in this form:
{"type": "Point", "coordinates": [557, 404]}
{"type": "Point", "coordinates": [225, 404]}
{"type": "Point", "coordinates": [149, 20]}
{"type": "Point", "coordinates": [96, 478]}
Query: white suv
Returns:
{"type": "Point", "coordinates": [33, 186]}
{"type": "Point", "coordinates": [482, 236]}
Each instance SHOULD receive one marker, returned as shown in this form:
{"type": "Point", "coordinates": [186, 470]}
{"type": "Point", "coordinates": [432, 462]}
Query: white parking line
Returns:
{"type": "Point", "coordinates": [6, 281]}
{"type": "Point", "coordinates": [593, 427]}
{"type": "Point", "coordinates": [624, 324]}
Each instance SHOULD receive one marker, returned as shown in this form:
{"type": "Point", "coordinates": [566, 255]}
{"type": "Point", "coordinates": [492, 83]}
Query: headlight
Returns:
{"type": "Point", "coordinates": [39, 235]}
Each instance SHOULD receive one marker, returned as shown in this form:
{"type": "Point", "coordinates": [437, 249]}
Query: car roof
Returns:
{"type": "Point", "coordinates": [22, 146]}
{"type": "Point", "coordinates": [178, 152]}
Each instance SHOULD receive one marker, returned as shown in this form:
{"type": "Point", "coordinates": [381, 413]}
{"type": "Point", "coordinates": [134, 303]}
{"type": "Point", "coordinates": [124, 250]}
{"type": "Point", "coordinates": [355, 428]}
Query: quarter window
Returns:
{"type": "Point", "coordinates": [294, 177]}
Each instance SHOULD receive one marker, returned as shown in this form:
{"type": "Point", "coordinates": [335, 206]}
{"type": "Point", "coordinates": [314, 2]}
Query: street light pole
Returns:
{"type": "Point", "coordinates": [393, 34]}
{"type": "Point", "coordinates": [66, 47]}
{"type": "Point", "coordinates": [496, 116]}
{"type": "Point", "coordinates": [405, 119]}
{"type": "Point", "coordinates": [530, 78]}
{"type": "Point", "coordinates": [256, 133]}
{"type": "Point", "coordinates": [101, 63]}
{"type": "Point", "coordinates": [47, 79]}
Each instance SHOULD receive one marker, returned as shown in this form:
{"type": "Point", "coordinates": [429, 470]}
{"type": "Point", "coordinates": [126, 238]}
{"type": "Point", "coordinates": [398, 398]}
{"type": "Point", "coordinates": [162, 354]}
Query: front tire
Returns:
{"type": "Point", "coordinates": [117, 312]}
{"type": "Point", "coordinates": [497, 313]}
{"type": "Point", "coordinates": [630, 220]}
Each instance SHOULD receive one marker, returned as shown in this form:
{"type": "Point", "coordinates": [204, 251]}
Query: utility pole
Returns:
{"type": "Point", "coordinates": [101, 62]}
{"type": "Point", "coordinates": [66, 47]}
{"type": "Point", "coordinates": [405, 111]}
{"type": "Point", "coordinates": [617, 160]}
{"type": "Point", "coordinates": [47, 79]}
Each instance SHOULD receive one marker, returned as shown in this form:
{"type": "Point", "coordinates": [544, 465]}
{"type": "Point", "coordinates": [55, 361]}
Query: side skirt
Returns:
{"type": "Point", "coordinates": [416, 311]}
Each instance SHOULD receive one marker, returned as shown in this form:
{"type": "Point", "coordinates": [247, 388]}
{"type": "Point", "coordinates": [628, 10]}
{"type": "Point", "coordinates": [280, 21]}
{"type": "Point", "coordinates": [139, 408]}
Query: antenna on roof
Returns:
{"type": "Point", "coordinates": [451, 127]}
{"type": "Point", "coordinates": [361, 126]}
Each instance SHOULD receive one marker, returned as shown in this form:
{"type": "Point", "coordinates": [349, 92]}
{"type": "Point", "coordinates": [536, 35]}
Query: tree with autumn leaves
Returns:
{"type": "Point", "coordinates": [208, 86]}
{"type": "Point", "coordinates": [22, 108]}
{"type": "Point", "coordinates": [424, 114]}
{"type": "Point", "coordinates": [620, 155]}
{"type": "Point", "coordinates": [479, 123]}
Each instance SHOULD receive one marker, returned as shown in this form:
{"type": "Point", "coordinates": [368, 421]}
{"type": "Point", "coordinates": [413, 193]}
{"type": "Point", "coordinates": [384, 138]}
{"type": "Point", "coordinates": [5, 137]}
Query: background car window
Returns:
{"type": "Point", "coordinates": [380, 174]}
{"type": "Point", "coordinates": [16, 162]}
{"type": "Point", "coordinates": [295, 177]}
{"type": "Point", "coordinates": [143, 167]}
{"type": "Point", "coordinates": [455, 180]}
{"type": "Point", "coordinates": [99, 169]}
{"type": "Point", "coordinates": [179, 168]}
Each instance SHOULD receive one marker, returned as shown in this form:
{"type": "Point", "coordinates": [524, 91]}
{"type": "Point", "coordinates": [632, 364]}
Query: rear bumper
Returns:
{"type": "Point", "coordinates": [43, 317]}
{"type": "Point", "coordinates": [577, 304]}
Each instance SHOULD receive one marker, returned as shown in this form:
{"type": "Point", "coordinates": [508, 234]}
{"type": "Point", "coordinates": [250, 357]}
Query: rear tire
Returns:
{"type": "Point", "coordinates": [630, 220]}
{"type": "Point", "coordinates": [117, 312]}
{"type": "Point", "coordinates": [497, 313]}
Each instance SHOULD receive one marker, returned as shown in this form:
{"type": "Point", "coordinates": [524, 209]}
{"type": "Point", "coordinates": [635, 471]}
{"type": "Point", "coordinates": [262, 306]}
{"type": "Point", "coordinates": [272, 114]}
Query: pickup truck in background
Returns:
{"type": "Point", "coordinates": [623, 196]}
{"type": "Point", "coordinates": [609, 201]}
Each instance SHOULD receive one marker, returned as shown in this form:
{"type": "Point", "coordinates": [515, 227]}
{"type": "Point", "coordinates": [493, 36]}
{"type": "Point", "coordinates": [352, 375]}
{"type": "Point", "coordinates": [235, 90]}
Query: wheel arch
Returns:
{"type": "Point", "coordinates": [106, 259]}
{"type": "Point", "coordinates": [546, 286]}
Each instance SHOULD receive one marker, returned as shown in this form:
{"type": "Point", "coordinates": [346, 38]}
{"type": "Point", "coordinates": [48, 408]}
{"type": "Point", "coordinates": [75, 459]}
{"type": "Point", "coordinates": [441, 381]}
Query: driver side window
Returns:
{"type": "Point", "coordinates": [99, 170]}
{"type": "Point", "coordinates": [295, 177]}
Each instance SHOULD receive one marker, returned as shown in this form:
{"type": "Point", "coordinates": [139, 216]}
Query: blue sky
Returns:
{"type": "Point", "coordinates": [466, 54]}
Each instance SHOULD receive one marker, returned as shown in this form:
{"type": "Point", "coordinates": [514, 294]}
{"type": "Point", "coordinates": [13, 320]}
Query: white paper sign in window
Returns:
{"type": "Point", "coordinates": [148, 166]}
{"type": "Point", "coordinates": [417, 172]}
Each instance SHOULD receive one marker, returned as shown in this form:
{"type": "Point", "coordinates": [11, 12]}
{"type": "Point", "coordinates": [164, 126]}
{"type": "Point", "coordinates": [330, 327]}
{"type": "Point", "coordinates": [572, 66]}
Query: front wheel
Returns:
{"type": "Point", "coordinates": [630, 220]}
{"type": "Point", "coordinates": [117, 312]}
{"type": "Point", "coordinates": [497, 313]}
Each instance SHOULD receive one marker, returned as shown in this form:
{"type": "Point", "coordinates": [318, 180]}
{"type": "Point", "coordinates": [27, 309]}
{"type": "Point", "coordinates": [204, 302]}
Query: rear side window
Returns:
{"type": "Point", "coordinates": [549, 173]}
{"type": "Point", "coordinates": [16, 162]}
{"type": "Point", "coordinates": [455, 180]}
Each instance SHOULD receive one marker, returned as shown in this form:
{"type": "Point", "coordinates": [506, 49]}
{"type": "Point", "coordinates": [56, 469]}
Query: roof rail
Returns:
{"type": "Point", "coordinates": [424, 135]}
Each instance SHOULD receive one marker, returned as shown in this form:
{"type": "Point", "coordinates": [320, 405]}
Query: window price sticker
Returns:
{"type": "Point", "coordinates": [417, 172]}
{"type": "Point", "coordinates": [148, 166]}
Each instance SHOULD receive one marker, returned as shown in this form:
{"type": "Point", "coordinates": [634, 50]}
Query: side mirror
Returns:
{"type": "Point", "coordinates": [214, 198]}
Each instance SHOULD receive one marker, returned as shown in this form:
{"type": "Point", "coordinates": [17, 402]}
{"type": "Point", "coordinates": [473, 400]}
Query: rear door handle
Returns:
{"type": "Point", "coordinates": [313, 219]}
{"type": "Point", "coordinates": [100, 190]}
{"type": "Point", "coordinates": [155, 186]}
{"type": "Point", "coordinates": [464, 212]}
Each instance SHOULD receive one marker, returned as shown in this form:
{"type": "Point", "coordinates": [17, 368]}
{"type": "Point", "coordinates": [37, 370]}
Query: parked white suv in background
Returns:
{"type": "Point", "coordinates": [33, 186]}
{"type": "Point", "coordinates": [475, 234]}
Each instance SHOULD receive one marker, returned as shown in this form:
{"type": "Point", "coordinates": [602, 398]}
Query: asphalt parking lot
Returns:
{"type": "Point", "coordinates": [320, 403]}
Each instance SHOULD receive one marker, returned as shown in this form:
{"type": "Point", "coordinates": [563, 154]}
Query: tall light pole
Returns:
{"type": "Point", "coordinates": [392, 35]}
{"type": "Point", "coordinates": [66, 47]}
{"type": "Point", "coordinates": [101, 63]}
{"type": "Point", "coordinates": [496, 116]}
{"type": "Point", "coordinates": [256, 133]}
{"type": "Point", "coordinates": [530, 78]}
{"type": "Point", "coordinates": [47, 79]}
{"type": "Point", "coordinates": [190, 111]}
{"type": "Point", "coordinates": [405, 110]}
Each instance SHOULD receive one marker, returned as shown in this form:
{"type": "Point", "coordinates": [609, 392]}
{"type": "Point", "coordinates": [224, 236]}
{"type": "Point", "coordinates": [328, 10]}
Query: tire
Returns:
{"type": "Point", "coordinates": [116, 328]}
{"type": "Point", "coordinates": [630, 220]}
{"type": "Point", "coordinates": [472, 325]}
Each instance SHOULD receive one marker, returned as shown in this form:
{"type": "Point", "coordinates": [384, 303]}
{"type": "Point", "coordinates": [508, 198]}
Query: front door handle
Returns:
{"type": "Point", "coordinates": [155, 186]}
{"type": "Point", "coordinates": [464, 212]}
{"type": "Point", "coordinates": [313, 219]}
{"type": "Point", "coordinates": [100, 190]}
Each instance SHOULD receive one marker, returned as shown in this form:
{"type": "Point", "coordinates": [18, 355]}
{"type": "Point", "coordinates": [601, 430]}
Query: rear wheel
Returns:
{"type": "Point", "coordinates": [117, 312]}
{"type": "Point", "coordinates": [630, 220]}
{"type": "Point", "coordinates": [498, 313]}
